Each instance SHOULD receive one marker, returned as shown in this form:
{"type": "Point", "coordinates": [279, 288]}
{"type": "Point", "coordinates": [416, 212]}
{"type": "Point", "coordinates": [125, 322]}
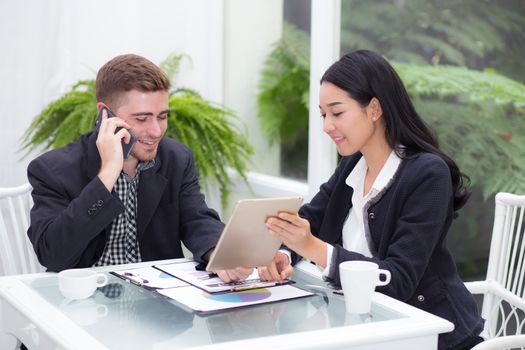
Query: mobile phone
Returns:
{"type": "Point", "coordinates": [126, 147]}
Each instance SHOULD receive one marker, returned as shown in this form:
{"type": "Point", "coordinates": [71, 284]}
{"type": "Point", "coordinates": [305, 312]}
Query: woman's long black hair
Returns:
{"type": "Point", "coordinates": [364, 74]}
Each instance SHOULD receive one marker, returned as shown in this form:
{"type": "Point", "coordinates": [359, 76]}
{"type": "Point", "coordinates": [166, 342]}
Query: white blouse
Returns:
{"type": "Point", "coordinates": [354, 227]}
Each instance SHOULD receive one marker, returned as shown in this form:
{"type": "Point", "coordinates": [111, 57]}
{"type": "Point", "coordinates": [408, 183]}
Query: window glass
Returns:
{"type": "Point", "coordinates": [266, 65]}
{"type": "Point", "coordinates": [462, 63]}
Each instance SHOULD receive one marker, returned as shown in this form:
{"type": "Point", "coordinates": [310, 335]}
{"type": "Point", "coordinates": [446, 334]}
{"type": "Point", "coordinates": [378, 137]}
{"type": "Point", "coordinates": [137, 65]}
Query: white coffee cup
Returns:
{"type": "Point", "coordinates": [359, 280]}
{"type": "Point", "coordinates": [80, 283]}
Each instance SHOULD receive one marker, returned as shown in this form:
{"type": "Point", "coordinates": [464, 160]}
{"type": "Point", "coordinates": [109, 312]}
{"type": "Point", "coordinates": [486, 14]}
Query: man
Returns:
{"type": "Point", "coordinates": [93, 207]}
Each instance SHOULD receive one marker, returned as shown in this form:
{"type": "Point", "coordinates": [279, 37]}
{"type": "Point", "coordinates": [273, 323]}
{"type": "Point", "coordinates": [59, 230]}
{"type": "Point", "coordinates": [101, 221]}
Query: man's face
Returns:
{"type": "Point", "coordinates": [147, 114]}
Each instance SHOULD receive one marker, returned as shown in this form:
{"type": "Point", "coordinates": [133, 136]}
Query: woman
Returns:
{"type": "Point", "coordinates": [391, 200]}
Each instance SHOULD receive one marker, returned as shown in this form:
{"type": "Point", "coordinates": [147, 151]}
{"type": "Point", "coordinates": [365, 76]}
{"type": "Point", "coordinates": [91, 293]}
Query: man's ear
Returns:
{"type": "Point", "coordinates": [375, 109]}
{"type": "Point", "coordinates": [100, 105]}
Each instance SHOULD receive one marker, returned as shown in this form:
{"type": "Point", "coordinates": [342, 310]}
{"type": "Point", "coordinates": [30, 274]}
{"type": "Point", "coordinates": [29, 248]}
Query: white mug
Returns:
{"type": "Point", "coordinates": [80, 283]}
{"type": "Point", "coordinates": [359, 280]}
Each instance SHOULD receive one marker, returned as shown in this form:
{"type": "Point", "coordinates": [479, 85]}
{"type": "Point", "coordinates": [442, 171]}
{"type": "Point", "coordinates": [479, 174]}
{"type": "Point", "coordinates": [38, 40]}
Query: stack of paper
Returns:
{"type": "Point", "coordinates": [205, 292]}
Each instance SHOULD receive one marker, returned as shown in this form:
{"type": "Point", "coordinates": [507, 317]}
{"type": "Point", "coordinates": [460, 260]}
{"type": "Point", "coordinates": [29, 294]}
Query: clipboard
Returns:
{"type": "Point", "coordinates": [150, 278]}
{"type": "Point", "coordinates": [245, 240]}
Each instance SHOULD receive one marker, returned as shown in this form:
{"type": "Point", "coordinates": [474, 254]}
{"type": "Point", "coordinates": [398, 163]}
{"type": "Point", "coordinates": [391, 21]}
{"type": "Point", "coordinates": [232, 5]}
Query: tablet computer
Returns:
{"type": "Point", "coordinates": [245, 240]}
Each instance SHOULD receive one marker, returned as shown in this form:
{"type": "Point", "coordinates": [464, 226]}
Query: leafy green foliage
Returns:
{"type": "Point", "coordinates": [477, 117]}
{"type": "Point", "coordinates": [459, 32]}
{"type": "Point", "coordinates": [216, 142]}
{"type": "Point", "coordinates": [171, 65]}
{"type": "Point", "coordinates": [487, 144]}
{"type": "Point", "coordinates": [283, 99]}
{"type": "Point", "coordinates": [63, 120]}
{"type": "Point", "coordinates": [474, 86]}
{"type": "Point", "coordinates": [202, 125]}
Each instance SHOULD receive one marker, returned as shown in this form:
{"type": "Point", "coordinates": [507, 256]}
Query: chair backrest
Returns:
{"type": "Point", "coordinates": [503, 308]}
{"type": "Point", "coordinates": [16, 251]}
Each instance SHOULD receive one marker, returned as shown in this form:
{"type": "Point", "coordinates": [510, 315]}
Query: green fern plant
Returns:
{"type": "Point", "coordinates": [477, 117]}
{"type": "Point", "coordinates": [216, 142]}
{"type": "Point", "coordinates": [202, 125]}
{"type": "Point", "coordinates": [466, 84]}
{"type": "Point", "coordinates": [63, 120]}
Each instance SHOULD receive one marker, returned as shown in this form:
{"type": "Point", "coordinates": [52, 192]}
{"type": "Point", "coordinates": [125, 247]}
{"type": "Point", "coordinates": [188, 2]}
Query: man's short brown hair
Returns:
{"type": "Point", "coordinates": [128, 72]}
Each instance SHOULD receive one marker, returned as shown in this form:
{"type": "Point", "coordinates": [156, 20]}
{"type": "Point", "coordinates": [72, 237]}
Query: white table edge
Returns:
{"type": "Point", "coordinates": [23, 299]}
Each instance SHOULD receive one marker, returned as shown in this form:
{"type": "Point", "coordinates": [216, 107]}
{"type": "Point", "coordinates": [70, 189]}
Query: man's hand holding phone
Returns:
{"type": "Point", "coordinates": [112, 136]}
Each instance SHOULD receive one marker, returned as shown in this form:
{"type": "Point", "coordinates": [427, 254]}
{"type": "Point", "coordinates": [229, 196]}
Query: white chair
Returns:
{"type": "Point", "coordinates": [503, 291]}
{"type": "Point", "coordinates": [16, 251]}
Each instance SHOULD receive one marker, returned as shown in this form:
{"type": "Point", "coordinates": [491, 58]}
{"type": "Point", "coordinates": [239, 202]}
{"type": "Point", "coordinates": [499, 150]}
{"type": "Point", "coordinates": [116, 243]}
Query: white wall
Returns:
{"type": "Point", "coordinates": [47, 45]}
{"type": "Point", "coordinates": [28, 37]}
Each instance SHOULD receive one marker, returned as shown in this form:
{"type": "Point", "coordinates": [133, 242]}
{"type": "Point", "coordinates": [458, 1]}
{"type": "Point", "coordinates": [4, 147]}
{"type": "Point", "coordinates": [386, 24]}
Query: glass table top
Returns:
{"type": "Point", "coordinates": [122, 315]}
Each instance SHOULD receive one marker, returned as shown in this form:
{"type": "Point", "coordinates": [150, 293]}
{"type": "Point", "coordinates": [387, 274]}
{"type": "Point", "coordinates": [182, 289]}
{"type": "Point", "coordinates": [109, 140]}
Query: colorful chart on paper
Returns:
{"type": "Point", "coordinates": [240, 297]}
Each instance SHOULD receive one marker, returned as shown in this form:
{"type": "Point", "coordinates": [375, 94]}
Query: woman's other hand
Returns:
{"type": "Point", "coordinates": [278, 270]}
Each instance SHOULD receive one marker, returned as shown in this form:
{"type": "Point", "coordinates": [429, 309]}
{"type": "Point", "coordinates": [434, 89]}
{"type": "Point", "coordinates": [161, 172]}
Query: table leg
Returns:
{"type": "Point", "coordinates": [7, 341]}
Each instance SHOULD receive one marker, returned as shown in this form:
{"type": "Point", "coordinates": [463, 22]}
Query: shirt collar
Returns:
{"type": "Point", "coordinates": [141, 166]}
{"type": "Point", "coordinates": [357, 174]}
{"type": "Point", "coordinates": [387, 172]}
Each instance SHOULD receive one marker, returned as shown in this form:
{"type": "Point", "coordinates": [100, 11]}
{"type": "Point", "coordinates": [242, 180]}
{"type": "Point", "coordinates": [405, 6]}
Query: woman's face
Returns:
{"type": "Point", "coordinates": [351, 126]}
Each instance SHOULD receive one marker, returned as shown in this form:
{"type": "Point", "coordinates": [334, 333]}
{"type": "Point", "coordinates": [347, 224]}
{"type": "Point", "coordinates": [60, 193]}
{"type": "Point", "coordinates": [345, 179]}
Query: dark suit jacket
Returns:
{"type": "Point", "coordinates": [407, 227]}
{"type": "Point", "coordinates": [73, 211]}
